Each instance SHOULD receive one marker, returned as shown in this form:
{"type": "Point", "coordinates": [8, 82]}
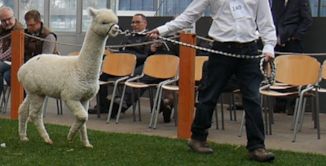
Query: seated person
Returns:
{"type": "Point", "coordinates": [35, 46]}
{"type": "Point", "coordinates": [138, 25]}
{"type": "Point", "coordinates": [8, 24]}
{"type": "Point", "coordinates": [36, 28]}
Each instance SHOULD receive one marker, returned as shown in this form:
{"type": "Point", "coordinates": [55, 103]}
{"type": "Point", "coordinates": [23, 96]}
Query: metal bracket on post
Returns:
{"type": "Point", "coordinates": [186, 84]}
{"type": "Point", "coordinates": [17, 59]}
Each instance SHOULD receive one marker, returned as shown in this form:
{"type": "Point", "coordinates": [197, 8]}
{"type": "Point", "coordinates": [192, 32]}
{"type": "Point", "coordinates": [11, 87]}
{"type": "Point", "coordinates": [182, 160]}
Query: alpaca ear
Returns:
{"type": "Point", "coordinates": [92, 11]}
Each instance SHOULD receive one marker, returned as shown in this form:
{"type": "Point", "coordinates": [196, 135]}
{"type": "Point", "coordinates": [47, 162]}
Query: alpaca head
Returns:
{"type": "Point", "coordinates": [104, 22]}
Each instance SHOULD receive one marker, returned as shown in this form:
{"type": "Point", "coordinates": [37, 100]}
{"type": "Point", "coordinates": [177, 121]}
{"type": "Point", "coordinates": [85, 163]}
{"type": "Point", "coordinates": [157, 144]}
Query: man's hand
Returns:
{"type": "Point", "coordinates": [153, 34]}
{"type": "Point", "coordinates": [268, 57]}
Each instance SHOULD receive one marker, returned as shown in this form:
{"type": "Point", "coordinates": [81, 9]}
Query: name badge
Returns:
{"type": "Point", "coordinates": [238, 9]}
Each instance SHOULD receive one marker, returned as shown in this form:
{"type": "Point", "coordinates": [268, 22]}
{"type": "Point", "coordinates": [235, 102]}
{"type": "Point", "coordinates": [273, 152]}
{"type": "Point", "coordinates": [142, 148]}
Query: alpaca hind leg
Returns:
{"type": "Point", "coordinates": [36, 114]}
{"type": "Point", "coordinates": [80, 114]}
{"type": "Point", "coordinates": [83, 129]}
{"type": "Point", "coordinates": [23, 112]}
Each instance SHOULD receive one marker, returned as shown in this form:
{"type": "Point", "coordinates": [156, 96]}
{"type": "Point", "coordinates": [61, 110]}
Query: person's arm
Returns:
{"type": "Point", "coordinates": [266, 28]}
{"type": "Point", "coordinates": [49, 45]}
{"type": "Point", "coordinates": [305, 19]}
{"type": "Point", "coordinates": [192, 13]}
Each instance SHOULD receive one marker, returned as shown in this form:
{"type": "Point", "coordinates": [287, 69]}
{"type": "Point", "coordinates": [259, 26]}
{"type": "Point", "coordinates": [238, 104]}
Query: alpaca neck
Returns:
{"type": "Point", "coordinates": [91, 54]}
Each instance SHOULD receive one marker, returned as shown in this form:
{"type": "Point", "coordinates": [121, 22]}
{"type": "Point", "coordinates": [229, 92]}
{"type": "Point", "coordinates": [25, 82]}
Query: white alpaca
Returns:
{"type": "Point", "coordinates": [73, 79]}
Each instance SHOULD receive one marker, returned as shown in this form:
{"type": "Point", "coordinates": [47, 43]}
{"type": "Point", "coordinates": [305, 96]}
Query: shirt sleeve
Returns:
{"type": "Point", "coordinates": [192, 13]}
{"type": "Point", "coordinates": [266, 26]}
{"type": "Point", "coordinates": [49, 44]}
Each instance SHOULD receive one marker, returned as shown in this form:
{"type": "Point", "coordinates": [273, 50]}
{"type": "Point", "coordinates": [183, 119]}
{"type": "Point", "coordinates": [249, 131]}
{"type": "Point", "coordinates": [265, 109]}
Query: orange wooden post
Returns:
{"type": "Point", "coordinates": [17, 59]}
{"type": "Point", "coordinates": [186, 84]}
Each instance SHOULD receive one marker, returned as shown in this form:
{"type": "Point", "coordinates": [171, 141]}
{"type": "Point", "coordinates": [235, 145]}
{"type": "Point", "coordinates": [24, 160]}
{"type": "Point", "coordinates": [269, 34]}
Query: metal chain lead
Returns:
{"type": "Point", "coordinates": [268, 78]}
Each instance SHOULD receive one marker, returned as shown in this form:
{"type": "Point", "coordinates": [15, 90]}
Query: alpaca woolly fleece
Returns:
{"type": "Point", "coordinates": [73, 79]}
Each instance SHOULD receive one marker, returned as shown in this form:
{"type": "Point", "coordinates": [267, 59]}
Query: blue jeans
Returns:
{"type": "Point", "coordinates": [5, 73]}
{"type": "Point", "coordinates": [220, 70]}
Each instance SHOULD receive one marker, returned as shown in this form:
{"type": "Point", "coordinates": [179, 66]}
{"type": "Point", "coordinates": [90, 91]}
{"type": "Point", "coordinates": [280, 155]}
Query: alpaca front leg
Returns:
{"type": "Point", "coordinates": [81, 117]}
{"type": "Point", "coordinates": [23, 112]}
{"type": "Point", "coordinates": [83, 129]}
{"type": "Point", "coordinates": [84, 137]}
{"type": "Point", "coordinates": [36, 114]}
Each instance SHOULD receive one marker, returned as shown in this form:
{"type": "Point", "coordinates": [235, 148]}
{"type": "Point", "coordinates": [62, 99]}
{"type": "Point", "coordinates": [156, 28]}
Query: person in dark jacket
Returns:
{"type": "Point", "coordinates": [292, 19]}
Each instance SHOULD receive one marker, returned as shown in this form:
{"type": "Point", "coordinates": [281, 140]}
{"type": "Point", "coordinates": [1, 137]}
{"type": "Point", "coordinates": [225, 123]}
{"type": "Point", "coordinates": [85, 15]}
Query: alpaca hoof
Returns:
{"type": "Point", "coordinates": [89, 146]}
{"type": "Point", "coordinates": [24, 139]}
{"type": "Point", "coordinates": [50, 142]}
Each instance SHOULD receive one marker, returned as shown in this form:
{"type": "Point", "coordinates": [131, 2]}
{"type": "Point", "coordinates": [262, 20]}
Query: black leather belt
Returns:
{"type": "Point", "coordinates": [238, 44]}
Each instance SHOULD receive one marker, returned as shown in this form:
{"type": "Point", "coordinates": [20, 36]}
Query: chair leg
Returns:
{"type": "Point", "coordinates": [59, 106]}
{"type": "Point", "coordinates": [234, 107]}
{"type": "Point", "coordinates": [222, 112]}
{"type": "Point", "coordinates": [297, 118]}
{"type": "Point", "coordinates": [317, 114]}
{"type": "Point", "coordinates": [302, 114]}
{"type": "Point", "coordinates": [159, 99]}
{"type": "Point", "coordinates": [139, 115]}
{"type": "Point", "coordinates": [243, 121]}
{"type": "Point", "coordinates": [121, 102]}
{"type": "Point", "coordinates": [175, 107]}
{"type": "Point", "coordinates": [270, 120]}
{"type": "Point", "coordinates": [158, 96]}
{"type": "Point", "coordinates": [8, 94]}
{"type": "Point", "coordinates": [98, 105]}
{"type": "Point", "coordinates": [114, 92]}
{"type": "Point", "coordinates": [295, 113]}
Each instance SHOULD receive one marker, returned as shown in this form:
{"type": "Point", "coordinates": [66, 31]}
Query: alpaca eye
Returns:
{"type": "Point", "coordinates": [104, 23]}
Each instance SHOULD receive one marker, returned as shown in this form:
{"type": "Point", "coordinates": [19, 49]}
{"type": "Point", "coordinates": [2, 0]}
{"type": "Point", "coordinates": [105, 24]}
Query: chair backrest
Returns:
{"type": "Point", "coordinates": [297, 70]}
{"type": "Point", "coordinates": [74, 53]}
{"type": "Point", "coordinates": [199, 61]}
{"type": "Point", "coordinates": [106, 52]}
{"type": "Point", "coordinates": [161, 66]}
{"type": "Point", "coordinates": [119, 64]}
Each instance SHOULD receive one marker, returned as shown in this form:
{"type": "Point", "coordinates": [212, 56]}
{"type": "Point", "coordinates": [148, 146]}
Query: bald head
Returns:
{"type": "Point", "coordinates": [7, 18]}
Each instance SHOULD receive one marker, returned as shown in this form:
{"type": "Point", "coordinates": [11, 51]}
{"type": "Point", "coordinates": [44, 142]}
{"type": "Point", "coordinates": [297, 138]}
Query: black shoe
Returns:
{"type": "Point", "coordinates": [167, 114]}
{"type": "Point", "coordinates": [94, 110]}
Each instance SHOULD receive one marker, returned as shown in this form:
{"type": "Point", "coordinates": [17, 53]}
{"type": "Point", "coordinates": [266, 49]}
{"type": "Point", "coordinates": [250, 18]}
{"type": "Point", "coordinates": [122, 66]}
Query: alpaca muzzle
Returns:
{"type": "Point", "coordinates": [114, 30]}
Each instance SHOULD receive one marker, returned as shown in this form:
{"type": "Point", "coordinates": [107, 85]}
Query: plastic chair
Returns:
{"type": "Point", "coordinates": [120, 65]}
{"type": "Point", "coordinates": [162, 67]}
{"type": "Point", "coordinates": [277, 86]}
{"type": "Point", "coordinates": [169, 85]}
{"type": "Point", "coordinates": [300, 71]}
